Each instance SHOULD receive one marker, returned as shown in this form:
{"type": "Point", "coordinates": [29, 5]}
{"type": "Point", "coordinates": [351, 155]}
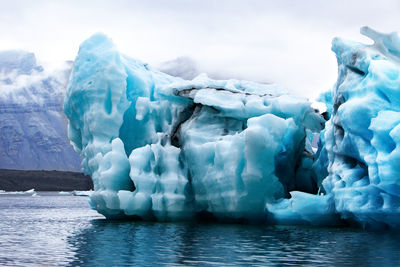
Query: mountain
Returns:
{"type": "Point", "coordinates": [33, 128]}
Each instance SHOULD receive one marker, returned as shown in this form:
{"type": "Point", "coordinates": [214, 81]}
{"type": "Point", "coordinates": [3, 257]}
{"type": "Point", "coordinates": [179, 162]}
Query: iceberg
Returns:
{"type": "Point", "coordinates": [163, 148]}
{"type": "Point", "coordinates": [159, 147]}
{"type": "Point", "coordinates": [357, 162]}
{"type": "Point", "coordinates": [30, 191]}
{"type": "Point", "coordinates": [82, 193]}
{"type": "Point", "coordinates": [362, 139]}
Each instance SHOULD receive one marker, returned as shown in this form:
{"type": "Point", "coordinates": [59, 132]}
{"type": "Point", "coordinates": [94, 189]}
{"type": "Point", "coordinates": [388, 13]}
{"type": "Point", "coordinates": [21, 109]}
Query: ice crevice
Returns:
{"type": "Point", "coordinates": [162, 148]}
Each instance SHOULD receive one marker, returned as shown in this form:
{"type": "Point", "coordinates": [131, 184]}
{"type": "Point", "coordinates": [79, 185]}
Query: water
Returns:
{"type": "Point", "coordinates": [59, 230]}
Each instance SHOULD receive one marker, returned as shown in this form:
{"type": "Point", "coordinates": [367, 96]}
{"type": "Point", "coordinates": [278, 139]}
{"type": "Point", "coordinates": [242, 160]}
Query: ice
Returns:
{"type": "Point", "coordinates": [326, 98]}
{"type": "Point", "coordinates": [162, 148]}
{"type": "Point", "coordinates": [358, 160]}
{"type": "Point", "coordinates": [304, 209]}
{"type": "Point", "coordinates": [82, 193]}
{"type": "Point", "coordinates": [362, 137]}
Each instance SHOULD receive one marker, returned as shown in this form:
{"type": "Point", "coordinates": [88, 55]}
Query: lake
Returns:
{"type": "Point", "coordinates": [61, 230]}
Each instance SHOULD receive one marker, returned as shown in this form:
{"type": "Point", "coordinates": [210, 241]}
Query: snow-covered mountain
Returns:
{"type": "Point", "coordinates": [33, 128]}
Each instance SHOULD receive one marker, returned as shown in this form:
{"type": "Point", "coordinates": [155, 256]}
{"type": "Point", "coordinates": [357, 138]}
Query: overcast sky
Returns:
{"type": "Point", "coordinates": [286, 42]}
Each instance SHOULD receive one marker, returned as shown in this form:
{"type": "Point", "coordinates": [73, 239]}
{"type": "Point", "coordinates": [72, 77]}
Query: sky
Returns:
{"type": "Point", "coordinates": [285, 42]}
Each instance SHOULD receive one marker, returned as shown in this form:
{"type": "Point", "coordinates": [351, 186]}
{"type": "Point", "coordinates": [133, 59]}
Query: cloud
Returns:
{"type": "Point", "coordinates": [287, 42]}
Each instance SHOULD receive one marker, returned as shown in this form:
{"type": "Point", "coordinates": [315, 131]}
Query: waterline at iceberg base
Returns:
{"type": "Point", "coordinates": [162, 148]}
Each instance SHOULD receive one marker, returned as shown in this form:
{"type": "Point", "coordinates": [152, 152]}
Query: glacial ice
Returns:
{"type": "Point", "coordinates": [358, 157]}
{"type": "Point", "coordinates": [362, 139]}
{"type": "Point", "coordinates": [162, 148]}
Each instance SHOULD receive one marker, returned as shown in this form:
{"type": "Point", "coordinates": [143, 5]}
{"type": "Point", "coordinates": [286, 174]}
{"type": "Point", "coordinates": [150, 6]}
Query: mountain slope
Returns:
{"type": "Point", "coordinates": [33, 128]}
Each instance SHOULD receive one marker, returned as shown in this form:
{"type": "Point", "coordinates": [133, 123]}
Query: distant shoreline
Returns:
{"type": "Point", "coordinates": [22, 180]}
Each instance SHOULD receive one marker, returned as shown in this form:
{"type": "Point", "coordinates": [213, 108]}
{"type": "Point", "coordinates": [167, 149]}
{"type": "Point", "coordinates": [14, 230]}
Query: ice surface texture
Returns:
{"type": "Point", "coordinates": [363, 137]}
{"type": "Point", "coordinates": [164, 148]}
{"type": "Point", "coordinates": [33, 128]}
{"type": "Point", "coordinates": [360, 152]}
{"type": "Point", "coordinates": [159, 147]}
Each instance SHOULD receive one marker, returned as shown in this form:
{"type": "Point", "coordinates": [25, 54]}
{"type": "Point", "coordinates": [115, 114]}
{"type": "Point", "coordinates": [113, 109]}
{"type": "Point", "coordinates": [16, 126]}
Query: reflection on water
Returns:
{"type": "Point", "coordinates": [61, 230]}
{"type": "Point", "coordinates": [127, 243]}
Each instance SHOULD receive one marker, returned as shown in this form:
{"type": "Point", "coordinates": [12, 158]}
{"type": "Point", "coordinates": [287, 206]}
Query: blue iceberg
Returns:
{"type": "Point", "coordinates": [162, 148]}
{"type": "Point", "coordinates": [362, 139]}
{"type": "Point", "coordinates": [358, 159]}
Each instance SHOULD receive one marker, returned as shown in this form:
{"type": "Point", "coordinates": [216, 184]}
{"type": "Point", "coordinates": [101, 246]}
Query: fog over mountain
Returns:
{"type": "Point", "coordinates": [33, 127]}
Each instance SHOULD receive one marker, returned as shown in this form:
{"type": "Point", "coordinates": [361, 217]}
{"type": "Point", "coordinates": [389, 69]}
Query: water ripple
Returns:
{"type": "Point", "coordinates": [56, 230]}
